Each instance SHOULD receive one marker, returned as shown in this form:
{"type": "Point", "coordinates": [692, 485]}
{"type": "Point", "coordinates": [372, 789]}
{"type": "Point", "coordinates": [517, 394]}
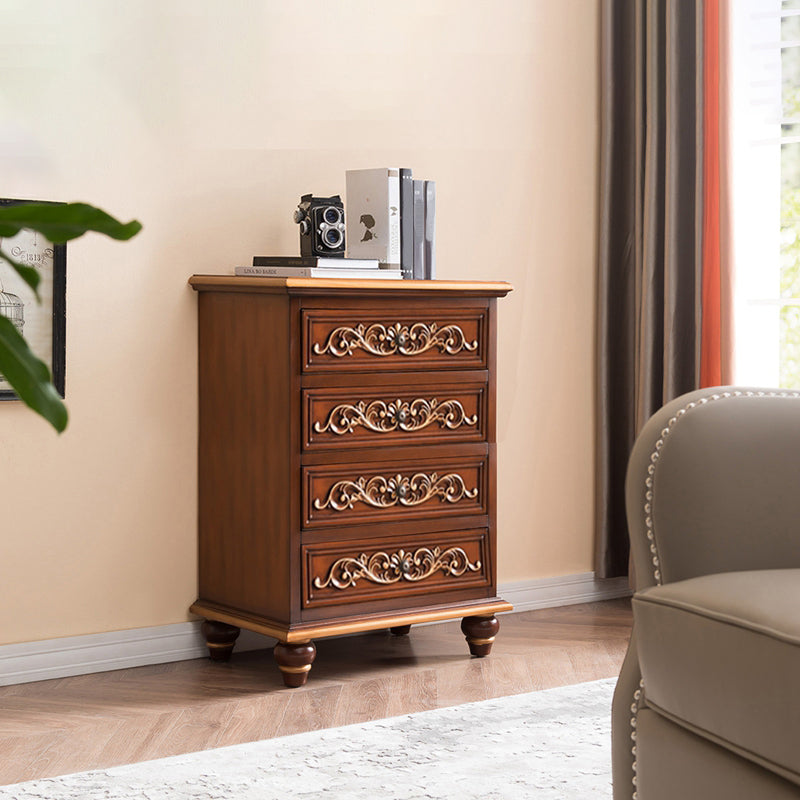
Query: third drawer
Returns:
{"type": "Point", "coordinates": [351, 494]}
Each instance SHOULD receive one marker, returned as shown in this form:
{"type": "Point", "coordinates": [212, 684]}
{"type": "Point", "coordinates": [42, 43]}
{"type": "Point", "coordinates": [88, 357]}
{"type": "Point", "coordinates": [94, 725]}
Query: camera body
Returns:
{"type": "Point", "coordinates": [321, 221]}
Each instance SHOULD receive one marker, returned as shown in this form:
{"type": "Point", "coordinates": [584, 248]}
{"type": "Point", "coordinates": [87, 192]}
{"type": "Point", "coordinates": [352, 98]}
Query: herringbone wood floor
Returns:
{"type": "Point", "coordinates": [93, 721]}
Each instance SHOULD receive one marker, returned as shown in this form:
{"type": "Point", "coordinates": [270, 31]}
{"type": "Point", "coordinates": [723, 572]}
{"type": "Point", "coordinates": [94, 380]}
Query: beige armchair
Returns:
{"type": "Point", "coordinates": [708, 700]}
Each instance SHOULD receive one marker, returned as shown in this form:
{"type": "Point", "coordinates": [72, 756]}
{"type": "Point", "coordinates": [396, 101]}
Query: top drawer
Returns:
{"type": "Point", "coordinates": [394, 338]}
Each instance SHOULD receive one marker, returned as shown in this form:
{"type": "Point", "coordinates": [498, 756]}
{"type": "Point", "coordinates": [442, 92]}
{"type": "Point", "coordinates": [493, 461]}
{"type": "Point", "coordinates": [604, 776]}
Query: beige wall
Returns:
{"type": "Point", "coordinates": [206, 121]}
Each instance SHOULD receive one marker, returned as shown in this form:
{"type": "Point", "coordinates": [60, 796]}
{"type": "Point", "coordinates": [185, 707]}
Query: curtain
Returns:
{"type": "Point", "coordinates": [656, 201]}
{"type": "Point", "coordinates": [717, 339]}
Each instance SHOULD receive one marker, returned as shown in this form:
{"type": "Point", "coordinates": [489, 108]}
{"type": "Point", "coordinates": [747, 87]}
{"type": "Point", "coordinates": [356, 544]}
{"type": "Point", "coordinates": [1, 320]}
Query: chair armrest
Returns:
{"type": "Point", "coordinates": [713, 485]}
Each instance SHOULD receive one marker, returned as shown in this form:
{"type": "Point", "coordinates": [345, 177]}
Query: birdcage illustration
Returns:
{"type": "Point", "coordinates": [12, 308]}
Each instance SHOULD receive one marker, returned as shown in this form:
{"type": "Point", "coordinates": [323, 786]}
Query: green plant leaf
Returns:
{"type": "Point", "coordinates": [61, 222]}
{"type": "Point", "coordinates": [29, 376]}
{"type": "Point", "coordinates": [28, 274]}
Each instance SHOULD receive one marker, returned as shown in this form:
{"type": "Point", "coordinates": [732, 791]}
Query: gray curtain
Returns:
{"type": "Point", "coordinates": [650, 239]}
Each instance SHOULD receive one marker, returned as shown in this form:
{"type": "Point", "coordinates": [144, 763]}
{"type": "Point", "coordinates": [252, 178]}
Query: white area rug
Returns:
{"type": "Point", "coordinates": [548, 744]}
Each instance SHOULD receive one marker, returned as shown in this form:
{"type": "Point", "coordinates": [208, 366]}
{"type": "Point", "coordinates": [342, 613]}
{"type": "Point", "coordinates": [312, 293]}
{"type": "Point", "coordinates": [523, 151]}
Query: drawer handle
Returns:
{"type": "Point", "coordinates": [380, 492]}
{"type": "Point", "coordinates": [382, 417]}
{"type": "Point", "coordinates": [385, 568]}
{"type": "Point", "coordinates": [389, 340]}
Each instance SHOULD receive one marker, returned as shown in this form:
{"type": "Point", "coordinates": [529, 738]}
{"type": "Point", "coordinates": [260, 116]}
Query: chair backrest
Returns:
{"type": "Point", "coordinates": [713, 485]}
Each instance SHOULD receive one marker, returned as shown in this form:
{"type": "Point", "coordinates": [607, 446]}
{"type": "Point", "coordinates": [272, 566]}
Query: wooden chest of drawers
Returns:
{"type": "Point", "coordinates": [346, 460]}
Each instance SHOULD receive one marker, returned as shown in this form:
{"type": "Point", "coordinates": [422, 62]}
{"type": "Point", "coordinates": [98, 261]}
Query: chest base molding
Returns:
{"type": "Point", "coordinates": [319, 630]}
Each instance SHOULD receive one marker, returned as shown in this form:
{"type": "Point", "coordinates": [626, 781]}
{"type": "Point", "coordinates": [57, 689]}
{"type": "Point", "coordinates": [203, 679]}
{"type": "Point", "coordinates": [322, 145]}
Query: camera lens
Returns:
{"type": "Point", "coordinates": [333, 237]}
{"type": "Point", "coordinates": [331, 215]}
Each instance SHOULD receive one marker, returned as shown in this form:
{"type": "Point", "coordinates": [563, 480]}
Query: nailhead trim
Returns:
{"type": "Point", "coordinates": [637, 702]}
{"type": "Point", "coordinates": [656, 454]}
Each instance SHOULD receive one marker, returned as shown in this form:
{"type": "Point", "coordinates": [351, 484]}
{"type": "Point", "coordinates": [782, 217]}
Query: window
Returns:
{"type": "Point", "coordinates": [790, 196]}
{"type": "Point", "coordinates": [765, 163]}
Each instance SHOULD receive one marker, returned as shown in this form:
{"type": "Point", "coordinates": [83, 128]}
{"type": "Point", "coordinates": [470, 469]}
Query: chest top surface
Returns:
{"type": "Point", "coordinates": [348, 287]}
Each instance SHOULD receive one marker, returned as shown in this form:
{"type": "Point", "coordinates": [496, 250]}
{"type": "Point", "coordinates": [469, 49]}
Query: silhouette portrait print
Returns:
{"type": "Point", "coordinates": [368, 221]}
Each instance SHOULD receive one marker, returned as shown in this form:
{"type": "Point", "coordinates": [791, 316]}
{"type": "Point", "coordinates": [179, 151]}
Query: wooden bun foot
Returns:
{"type": "Point", "coordinates": [294, 661]}
{"type": "Point", "coordinates": [220, 639]}
{"type": "Point", "coordinates": [400, 630]}
{"type": "Point", "coordinates": [480, 633]}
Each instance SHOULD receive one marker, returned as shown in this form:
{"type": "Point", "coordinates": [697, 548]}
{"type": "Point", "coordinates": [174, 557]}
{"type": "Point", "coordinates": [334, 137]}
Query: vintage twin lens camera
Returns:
{"type": "Point", "coordinates": [321, 221]}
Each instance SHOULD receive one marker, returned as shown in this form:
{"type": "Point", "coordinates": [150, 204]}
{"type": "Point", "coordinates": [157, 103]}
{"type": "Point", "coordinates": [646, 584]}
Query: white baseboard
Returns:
{"type": "Point", "coordinates": [101, 652]}
{"type": "Point", "coordinates": [564, 590]}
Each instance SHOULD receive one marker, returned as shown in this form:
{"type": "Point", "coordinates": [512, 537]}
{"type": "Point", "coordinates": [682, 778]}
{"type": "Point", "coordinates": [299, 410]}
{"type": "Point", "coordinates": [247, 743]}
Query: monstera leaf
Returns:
{"type": "Point", "coordinates": [28, 376]}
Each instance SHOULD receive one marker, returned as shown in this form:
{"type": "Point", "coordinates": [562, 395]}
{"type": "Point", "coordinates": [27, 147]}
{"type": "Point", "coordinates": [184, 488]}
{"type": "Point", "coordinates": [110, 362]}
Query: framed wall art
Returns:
{"type": "Point", "coordinates": [43, 324]}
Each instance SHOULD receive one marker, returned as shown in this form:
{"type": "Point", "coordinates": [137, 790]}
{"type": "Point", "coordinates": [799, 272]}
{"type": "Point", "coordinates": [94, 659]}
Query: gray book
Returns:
{"type": "Point", "coordinates": [430, 230]}
{"type": "Point", "coordinates": [406, 222]}
{"type": "Point", "coordinates": [419, 231]}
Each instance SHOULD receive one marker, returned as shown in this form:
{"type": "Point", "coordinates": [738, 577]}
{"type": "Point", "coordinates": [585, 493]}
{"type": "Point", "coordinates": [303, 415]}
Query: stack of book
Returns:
{"type": "Point", "coordinates": [317, 267]}
{"type": "Point", "coordinates": [391, 217]}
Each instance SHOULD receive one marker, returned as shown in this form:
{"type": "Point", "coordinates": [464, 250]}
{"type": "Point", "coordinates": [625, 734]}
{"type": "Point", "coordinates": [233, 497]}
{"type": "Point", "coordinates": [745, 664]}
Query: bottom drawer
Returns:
{"type": "Point", "coordinates": [346, 572]}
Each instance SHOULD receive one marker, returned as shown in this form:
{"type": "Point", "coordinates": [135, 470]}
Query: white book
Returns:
{"type": "Point", "coordinates": [372, 215]}
{"type": "Point", "coordinates": [318, 272]}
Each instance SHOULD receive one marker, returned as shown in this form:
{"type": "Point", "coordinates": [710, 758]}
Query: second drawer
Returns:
{"type": "Point", "coordinates": [365, 416]}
